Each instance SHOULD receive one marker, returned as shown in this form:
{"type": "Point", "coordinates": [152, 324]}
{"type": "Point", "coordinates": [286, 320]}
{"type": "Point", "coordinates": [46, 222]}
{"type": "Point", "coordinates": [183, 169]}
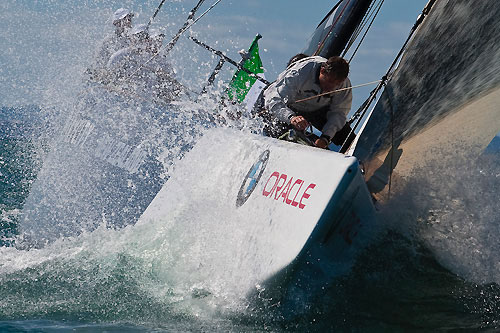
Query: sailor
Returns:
{"type": "Point", "coordinates": [305, 78]}
{"type": "Point", "coordinates": [122, 21]}
{"type": "Point", "coordinates": [156, 41]}
{"type": "Point", "coordinates": [128, 65]}
{"type": "Point", "coordinates": [295, 58]}
{"type": "Point", "coordinates": [138, 44]}
{"type": "Point", "coordinates": [143, 67]}
{"type": "Point", "coordinates": [167, 86]}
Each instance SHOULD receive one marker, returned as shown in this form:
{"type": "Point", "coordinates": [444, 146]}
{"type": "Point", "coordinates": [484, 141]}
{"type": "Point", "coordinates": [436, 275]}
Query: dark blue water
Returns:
{"type": "Point", "coordinates": [120, 281]}
{"type": "Point", "coordinates": [20, 159]}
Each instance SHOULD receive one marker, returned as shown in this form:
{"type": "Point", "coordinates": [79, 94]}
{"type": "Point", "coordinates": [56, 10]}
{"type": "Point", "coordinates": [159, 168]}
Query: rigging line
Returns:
{"type": "Point", "coordinates": [229, 60]}
{"type": "Point", "coordinates": [366, 32]}
{"type": "Point", "coordinates": [392, 150]}
{"type": "Point", "coordinates": [335, 91]}
{"type": "Point", "coordinates": [359, 28]}
{"type": "Point", "coordinates": [320, 46]}
{"type": "Point", "coordinates": [362, 111]}
{"type": "Point", "coordinates": [155, 13]}
{"type": "Point", "coordinates": [365, 18]}
{"type": "Point", "coordinates": [364, 107]}
{"type": "Point", "coordinates": [420, 19]}
{"type": "Point", "coordinates": [358, 31]}
{"type": "Point", "coordinates": [211, 79]}
{"type": "Point", "coordinates": [170, 45]}
{"type": "Point", "coordinates": [329, 13]}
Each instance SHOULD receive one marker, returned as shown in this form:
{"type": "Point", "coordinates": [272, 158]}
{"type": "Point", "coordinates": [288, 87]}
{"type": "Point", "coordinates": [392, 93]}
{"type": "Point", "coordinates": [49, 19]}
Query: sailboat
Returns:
{"type": "Point", "coordinates": [297, 213]}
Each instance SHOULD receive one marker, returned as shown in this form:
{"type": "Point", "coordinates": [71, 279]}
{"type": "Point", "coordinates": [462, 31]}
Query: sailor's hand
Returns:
{"type": "Point", "coordinates": [299, 123]}
{"type": "Point", "coordinates": [321, 143]}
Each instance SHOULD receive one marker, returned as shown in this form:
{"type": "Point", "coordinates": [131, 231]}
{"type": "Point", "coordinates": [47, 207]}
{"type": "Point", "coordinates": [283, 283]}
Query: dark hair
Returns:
{"type": "Point", "coordinates": [336, 66]}
{"type": "Point", "coordinates": [296, 58]}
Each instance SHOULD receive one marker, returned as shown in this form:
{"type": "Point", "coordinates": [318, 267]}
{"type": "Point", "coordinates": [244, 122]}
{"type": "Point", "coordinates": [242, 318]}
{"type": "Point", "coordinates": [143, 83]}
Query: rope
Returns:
{"type": "Point", "coordinates": [329, 13]}
{"type": "Point", "coordinates": [154, 15]}
{"type": "Point", "coordinates": [370, 16]}
{"type": "Point", "coordinates": [367, 18]}
{"type": "Point", "coordinates": [366, 32]}
{"type": "Point", "coordinates": [359, 28]}
{"type": "Point", "coordinates": [229, 60]}
{"type": "Point", "coordinates": [364, 107]}
{"type": "Point", "coordinates": [174, 39]}
{"type": "Point", "coordinates": [392, 151]}
{"type": "Point", "coordinates": [320, 46]}
{"type": "Point", "coordinates": [335, 91]}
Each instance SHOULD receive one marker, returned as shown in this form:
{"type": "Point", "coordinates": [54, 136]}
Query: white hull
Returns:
{"type": "Point", "coordinates": [268, 211]}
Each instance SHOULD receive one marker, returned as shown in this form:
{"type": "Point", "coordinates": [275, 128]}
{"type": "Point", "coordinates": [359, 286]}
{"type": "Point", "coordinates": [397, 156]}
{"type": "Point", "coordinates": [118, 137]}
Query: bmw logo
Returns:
{"type": "Point", "coordinates": [252, 179]}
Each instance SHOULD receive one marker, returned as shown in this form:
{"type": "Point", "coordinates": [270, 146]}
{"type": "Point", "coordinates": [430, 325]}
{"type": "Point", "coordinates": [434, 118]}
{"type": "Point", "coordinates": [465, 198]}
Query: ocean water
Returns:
{"type": "Point", "coordinates": [133, 279]}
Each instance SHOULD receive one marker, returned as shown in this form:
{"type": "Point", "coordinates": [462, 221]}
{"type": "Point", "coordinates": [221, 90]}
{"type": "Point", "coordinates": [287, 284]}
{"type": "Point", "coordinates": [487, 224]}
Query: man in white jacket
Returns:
{"type": "Point", "coordinates": [122, 21]}
{"type": "Point", "coordinates": [144, 67]}
{"type": "Point", "coordinates": [309, 77]}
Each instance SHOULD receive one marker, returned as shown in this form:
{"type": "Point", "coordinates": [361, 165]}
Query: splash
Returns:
{"type": "Point", "coordinates": [455, 212]}
{"type": "Point", "coordinates": [111, 148]}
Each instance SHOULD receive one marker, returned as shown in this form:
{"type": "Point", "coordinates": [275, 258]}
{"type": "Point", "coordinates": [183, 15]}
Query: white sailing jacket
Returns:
{"type": "Point", "coordinates": [153, 76]}
{"type": "Point", "coordinates": [301, 81]}
{"type": "Point", "coordinates": [110, 45]}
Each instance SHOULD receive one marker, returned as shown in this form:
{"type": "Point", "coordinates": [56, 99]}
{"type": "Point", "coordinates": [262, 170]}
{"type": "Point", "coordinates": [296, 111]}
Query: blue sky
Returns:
{"type": "Point", "coordinates": [46, 45]}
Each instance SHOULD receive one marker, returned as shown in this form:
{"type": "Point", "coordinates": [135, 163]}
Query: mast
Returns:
{"type": "Point", "coordinates": [334, 31]}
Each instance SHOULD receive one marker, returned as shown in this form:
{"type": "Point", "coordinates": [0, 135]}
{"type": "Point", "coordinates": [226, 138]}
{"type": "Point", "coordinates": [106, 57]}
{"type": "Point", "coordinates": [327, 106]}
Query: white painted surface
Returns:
{"type": "Point", "coordinates": [251, 242]}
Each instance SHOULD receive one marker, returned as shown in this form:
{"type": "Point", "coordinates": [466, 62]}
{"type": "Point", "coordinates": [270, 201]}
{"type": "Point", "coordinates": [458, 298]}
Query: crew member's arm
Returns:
{"type": "Point", "coordinates": [281, 92]}
{"type": "Point", "coordinates": [103, 53]}
{"type": "Point", "coordinates": [336, 115]}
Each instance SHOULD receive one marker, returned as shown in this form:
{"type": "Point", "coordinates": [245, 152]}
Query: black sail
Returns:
{"type": "Point", "coordinates": [334, 31]}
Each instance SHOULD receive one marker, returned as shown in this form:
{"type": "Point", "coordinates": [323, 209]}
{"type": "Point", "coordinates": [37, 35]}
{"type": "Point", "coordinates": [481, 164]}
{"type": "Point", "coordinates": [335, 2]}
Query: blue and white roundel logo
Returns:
{"type": "Point", "coordinates": [252, 178]}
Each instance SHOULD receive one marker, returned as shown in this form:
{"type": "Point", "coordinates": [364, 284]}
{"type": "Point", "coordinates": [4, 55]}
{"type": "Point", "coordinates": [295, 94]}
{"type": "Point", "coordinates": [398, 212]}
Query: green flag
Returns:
{"type": "Point", "coordinates": [242, 82]}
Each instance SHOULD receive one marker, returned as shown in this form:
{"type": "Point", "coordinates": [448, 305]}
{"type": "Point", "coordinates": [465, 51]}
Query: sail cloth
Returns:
{"type": "Point", "coordinates": [244, 88]}
{"type": "Point", "coordinates": [419, 95]}
{"type": "Point", "coordinates": [334, 31]}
